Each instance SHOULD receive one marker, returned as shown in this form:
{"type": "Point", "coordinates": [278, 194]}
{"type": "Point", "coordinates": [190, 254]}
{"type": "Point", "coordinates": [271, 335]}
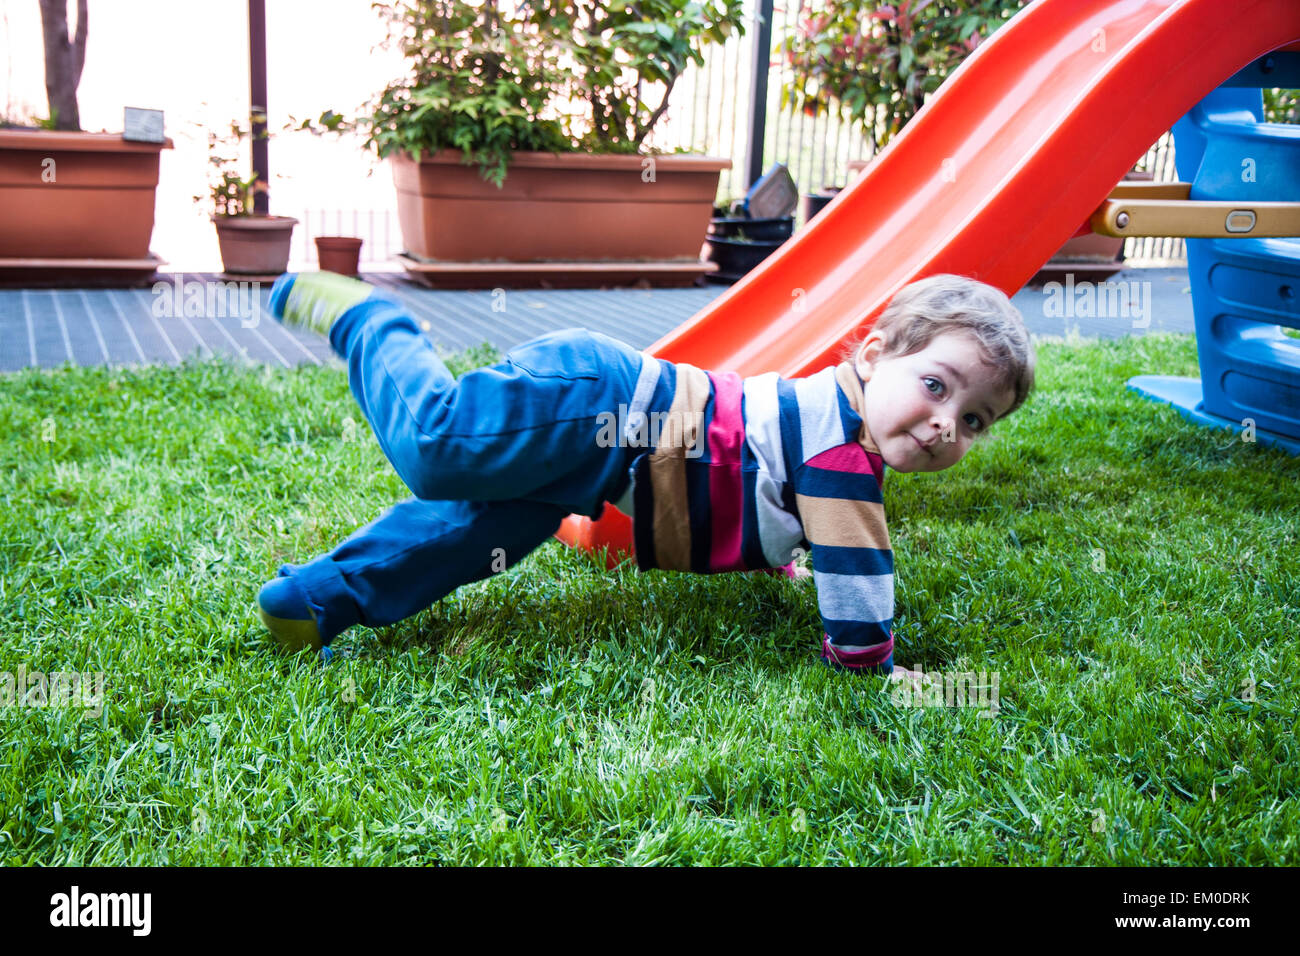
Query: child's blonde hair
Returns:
{"type": "Point", "coordinates": [949, 303]}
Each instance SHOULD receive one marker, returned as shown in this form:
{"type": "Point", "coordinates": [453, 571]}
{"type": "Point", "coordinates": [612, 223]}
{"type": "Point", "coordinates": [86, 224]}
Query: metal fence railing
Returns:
{"type": "Point", "coordinates": [711, 107]}
{"type": "Point", "coordinates": [377, 228]}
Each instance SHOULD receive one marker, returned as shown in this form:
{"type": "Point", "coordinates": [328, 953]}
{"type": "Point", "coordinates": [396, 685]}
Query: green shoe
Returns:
{"type": "Point", "coordinates": [287, 615]}
{"type": "Point", "coordinates": [316, 299]}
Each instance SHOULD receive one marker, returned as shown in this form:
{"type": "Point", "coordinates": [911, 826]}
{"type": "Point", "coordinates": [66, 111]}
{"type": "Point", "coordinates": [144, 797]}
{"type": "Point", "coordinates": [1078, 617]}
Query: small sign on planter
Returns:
{"type": "Point", "coordinates": [142, 126]}
{"type": "Point", "coordinates": [774, 196]}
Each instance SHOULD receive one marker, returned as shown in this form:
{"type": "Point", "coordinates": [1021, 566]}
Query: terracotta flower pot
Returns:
{"type": "Point", "coordinates": [254, 245]}
{"type": "Point", "coordinates": [557, 206]}
{"type": "Point", "coordinates": [76, 195]}
{"type": "Point", "coordinates": [341, 254]}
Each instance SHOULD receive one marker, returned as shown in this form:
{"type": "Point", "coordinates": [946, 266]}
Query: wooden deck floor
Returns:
{"type": "Point", "coordinates": [166, 324]}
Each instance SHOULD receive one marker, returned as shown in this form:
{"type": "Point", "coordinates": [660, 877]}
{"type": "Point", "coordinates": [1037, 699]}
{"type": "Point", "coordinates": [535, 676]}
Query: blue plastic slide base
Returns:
{"type": "Point", "coordinates": [1185, 395]}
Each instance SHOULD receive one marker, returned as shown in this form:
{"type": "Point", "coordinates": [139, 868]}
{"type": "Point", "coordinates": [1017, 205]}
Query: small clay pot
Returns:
{"type": "Point", "coordinates": [341, 254]}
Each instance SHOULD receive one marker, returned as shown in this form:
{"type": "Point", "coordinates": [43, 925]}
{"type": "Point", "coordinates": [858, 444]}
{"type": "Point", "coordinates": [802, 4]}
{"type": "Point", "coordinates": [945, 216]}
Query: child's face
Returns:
{"type": "Point", "coordinates": [925, 409]}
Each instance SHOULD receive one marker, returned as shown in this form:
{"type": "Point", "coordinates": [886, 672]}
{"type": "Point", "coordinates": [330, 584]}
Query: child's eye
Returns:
{"type": "Point", "coordinates": [973, 421]}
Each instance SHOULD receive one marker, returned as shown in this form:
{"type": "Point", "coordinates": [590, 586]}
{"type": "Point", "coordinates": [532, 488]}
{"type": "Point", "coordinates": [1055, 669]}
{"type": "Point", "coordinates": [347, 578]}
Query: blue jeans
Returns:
{"type": "Point", "coordinates": [495, 461]}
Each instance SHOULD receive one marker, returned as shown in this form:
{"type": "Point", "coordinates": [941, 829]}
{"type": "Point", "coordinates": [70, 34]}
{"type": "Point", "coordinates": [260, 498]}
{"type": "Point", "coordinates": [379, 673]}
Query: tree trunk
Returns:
{"type": "Point", "coordinates": [64, 59]}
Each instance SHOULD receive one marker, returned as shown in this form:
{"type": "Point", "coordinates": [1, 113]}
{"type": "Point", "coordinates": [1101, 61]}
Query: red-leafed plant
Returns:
{"type": "Point", "coordinates": [872, 64]}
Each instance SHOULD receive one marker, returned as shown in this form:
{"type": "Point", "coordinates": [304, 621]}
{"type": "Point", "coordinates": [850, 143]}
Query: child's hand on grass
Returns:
{"type": "Point", "coordinates": [918, 680]}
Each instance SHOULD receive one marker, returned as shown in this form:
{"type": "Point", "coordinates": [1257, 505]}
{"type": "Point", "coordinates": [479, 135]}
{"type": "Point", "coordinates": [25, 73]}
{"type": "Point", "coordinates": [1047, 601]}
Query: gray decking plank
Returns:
{"type": "Point", "coordinates": [14, 346]}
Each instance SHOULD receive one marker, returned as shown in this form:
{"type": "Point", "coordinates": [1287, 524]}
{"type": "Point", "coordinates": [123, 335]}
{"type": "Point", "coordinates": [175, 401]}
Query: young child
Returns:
{"type": "Point", "coordinates": [719, 473]}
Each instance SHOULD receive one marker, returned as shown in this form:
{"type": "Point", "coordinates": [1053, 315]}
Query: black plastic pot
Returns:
{"type": "Point", "coordinates": [813, 203]}
{"type": "Point", "coordinates": [738, 245]}
{"type": "Point", "coordinates": [755, 229]}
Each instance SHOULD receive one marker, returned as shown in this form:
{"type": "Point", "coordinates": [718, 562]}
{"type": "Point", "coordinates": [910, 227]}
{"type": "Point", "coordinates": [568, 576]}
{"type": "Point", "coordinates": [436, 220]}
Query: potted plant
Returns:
{"type": "Point", "coordinates": [520, 135]}
{"type": "Point", "coordinates": [872, 64]}
{"type": "Point", "coordinates": [71, 198]}
{"type": "Point", "coordinates": [251, 244]}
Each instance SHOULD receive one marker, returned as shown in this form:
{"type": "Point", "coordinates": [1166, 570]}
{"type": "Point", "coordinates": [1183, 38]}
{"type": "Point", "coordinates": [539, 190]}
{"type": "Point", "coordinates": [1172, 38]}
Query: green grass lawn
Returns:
{"type": "Point", "coordinates": [1131, 578]}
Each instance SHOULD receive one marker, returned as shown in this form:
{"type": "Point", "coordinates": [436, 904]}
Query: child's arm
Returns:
{"type": "Point", "coordinates": [843, 519]}
{"type": "Point", "coordinates": [857, 618]}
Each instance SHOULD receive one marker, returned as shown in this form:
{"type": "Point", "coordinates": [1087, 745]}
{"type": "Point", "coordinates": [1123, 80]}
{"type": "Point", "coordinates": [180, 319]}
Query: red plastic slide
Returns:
{"type": "Point", "coordinates": [1010, 155]}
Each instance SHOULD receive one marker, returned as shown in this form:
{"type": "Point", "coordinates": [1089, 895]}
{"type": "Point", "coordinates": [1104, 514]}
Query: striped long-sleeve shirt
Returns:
{"type": "Point", "coordinates": [746, 471]}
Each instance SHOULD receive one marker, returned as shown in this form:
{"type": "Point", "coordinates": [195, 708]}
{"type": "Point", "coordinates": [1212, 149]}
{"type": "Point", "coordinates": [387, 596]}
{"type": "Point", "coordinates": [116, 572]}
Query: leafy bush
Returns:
{"type": "Point", "coordinates": [1282, 106]}
{"type": "Point", "coordinates": [489, 81]}
{"type": "Point", "coordinates": [872, 64]}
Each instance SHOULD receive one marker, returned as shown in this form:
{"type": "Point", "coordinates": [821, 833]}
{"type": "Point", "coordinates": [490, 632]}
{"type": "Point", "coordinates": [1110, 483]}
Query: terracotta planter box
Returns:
{"type": "Point", "coordinates": [557, 207]}
{"type": "Point", "coordinates": [76, 195]}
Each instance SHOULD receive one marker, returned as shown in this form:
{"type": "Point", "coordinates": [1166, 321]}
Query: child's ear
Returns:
{"type": "Point", "coordinates": [868, 355]}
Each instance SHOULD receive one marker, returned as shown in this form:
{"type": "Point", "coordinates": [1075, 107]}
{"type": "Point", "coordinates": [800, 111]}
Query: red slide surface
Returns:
{"type": "Point", "coordinates": [1000, 167]}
